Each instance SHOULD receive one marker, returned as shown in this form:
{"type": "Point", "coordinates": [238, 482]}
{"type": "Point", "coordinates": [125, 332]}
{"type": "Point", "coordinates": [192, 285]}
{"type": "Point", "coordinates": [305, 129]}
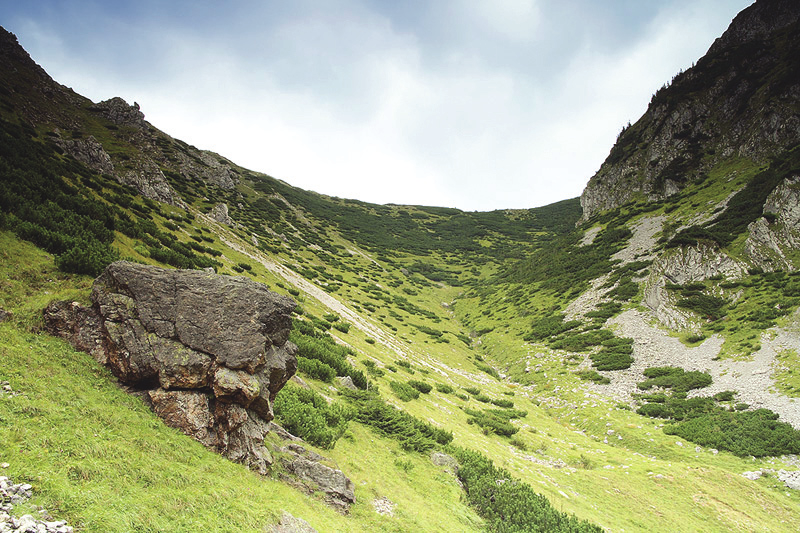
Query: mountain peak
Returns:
{"type": "Point", "coordinates": [737, 101]}
{"type": "Point", "coordinates": [758, 21]}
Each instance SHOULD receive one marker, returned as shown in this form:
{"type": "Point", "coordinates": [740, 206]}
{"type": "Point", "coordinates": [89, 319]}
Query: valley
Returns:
{"type": "Point", "coordinates": [628, 356]}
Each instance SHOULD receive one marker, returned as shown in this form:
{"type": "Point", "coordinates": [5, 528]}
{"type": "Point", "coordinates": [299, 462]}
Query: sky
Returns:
{"type": "Point", "coordinates": [473, 104]}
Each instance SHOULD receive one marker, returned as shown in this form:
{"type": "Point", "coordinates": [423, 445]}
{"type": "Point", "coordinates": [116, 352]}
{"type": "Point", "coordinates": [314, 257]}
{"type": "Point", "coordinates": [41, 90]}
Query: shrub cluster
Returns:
{"type": "Point", "coordinates": [306, 414]}
{"type": "Point", "coordinates": [421, 386]}
{"type": "Point", "coordinates": [316, 369]}
{"type": "Point", "coordinates": [497, 421]}
{"type": "Point", "coordinates": [674, 378]}
{"type": "Point", "coordinates": [444, 388]}
{"type": "Point", "coordinates": [757, 433]}
{"type": "Point", "coordinates": [412, 433]}
{"type": "Point", "coordinates": [318, 345]}
{"type": "Point", "coordinates": [593, 375]}
{"type": "Point", "coordinates": [404, 391]}
{"type": "Point", "coordinates": [42, 207]}
{"type": "Point", "coordinates": [615, 354]}
{"type": "Point", "coordinates": [706, 422]}
{"type": "Point", "coordinates": [507, 504]}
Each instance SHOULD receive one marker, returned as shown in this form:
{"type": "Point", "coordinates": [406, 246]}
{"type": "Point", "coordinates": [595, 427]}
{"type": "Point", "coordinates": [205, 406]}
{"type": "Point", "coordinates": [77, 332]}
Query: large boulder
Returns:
{"type": "Point", "coordinates": [208, 352]}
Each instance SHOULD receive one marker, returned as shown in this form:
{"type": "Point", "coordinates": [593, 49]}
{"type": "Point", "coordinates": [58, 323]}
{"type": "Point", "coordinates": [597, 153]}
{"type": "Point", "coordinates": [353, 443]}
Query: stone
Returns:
{"type": "Point", "coordinates": [346, 382]}
{"type": "Point", "coordinates": [5, 315]}
{"type": "Point", "coordinates": [78, 324]}
{"type": "Point", "coordinates": [383, 506]}
{"type": "Point", "coordinates": [90, 152]}
{"type": "Point", "coordinates": [291, 524]}
{"type": "Point", "coordinates": [220, 213]}
{"type": "Point", "coordinates": [447, 461]}
{"type": "Point", "coordinates": [208, 353]}
{"type": "Point", "coordinates": [235, 386]}
{"type": "Point", "coordinates": [339, 489]}
{"type": "Point", "coordinates": [119, 112]}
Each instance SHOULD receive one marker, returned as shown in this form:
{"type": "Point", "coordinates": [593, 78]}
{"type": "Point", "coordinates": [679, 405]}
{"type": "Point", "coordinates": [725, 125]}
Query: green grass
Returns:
{"type": "Point", "coordinates": [166, 472]}
{"type": "Point", "coordinates": [786, 373]}
{"type": "Point", "coordinates": [100, 459]}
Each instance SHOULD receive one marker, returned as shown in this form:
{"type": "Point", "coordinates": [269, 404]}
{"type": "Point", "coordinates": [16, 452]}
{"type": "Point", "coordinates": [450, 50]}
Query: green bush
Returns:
{"type": "Point", "coordinates": [315, 344]}
{"type": "Point", "coordinates": [615, 354]}
{"type": "Point", "coordinates": [316, 369]}
{"type": "Point", "coordinates": [510, 506]}
{"type": "Point", "coordinates": [444, 389]}
{"type": "Point", "coordinates": [344, 327]}
{"type": "Point", "coordinates": [710, 307]}
{"type": "Point", "coordinates": [674, 378]}
{"type": "Point", "coordinates": [757, 433]}
{"type": "Point", "coordinates": [412, 433]}
{"type": "Point", "coordinates": [306, 414]}
{"type": "Point", "coordinates": [421, 386]}
{"type": "Point", "coordinates": [550, 326]}
{"type": "Point", "coordinates": [372, 368]}
{"type": "Point", "coordinates": [491, 423]}
{"type": "Point", "coordinates": [404, 391]}
{"type": "Point", "coordinates": [593, 375]}
{"type": "Point", "coordinates": [87, 257]}
{"type": "Point", "coordinates": [489, 370]}
{"type": "Point", "coordinates": [501, 402]}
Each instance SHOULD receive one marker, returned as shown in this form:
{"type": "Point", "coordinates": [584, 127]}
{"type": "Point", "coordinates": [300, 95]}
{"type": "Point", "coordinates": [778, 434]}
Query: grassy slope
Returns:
{"type": "Point", "coordinates": [137, 473]}
{"type": "Point", "coordinates": [607, 483]}
{"type": "Point", "coordinates": [99, 458]}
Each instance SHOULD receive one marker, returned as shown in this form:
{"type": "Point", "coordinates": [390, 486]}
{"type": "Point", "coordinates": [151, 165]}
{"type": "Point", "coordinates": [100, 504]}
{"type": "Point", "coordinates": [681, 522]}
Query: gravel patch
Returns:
{"type": "Point", "coordinates": [12, 494]}
{"type": "Point", "coordinates": [751, 380]}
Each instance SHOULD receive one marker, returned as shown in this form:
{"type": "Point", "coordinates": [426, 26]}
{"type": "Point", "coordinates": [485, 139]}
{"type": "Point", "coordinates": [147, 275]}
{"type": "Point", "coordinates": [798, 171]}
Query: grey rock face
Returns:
{"type": "Point", "coordinates": [144, 175]}
{"type": "Point", "coordinates": [708, 110]}
{"type": "Point", "coordinates": [309, 470]}
{"type": "Point", "coordinates": [768, 243]}
{"type": "Point", "coordinates": [210, 351]}
{"type": "Point", "coordinates": [120, 113]}
{"type": "Point", "coordinates": [220, 213]}
{"type": "Point", "coordinates": [90, 152]}
{"type": "Point", "coordinates": [290, 524]}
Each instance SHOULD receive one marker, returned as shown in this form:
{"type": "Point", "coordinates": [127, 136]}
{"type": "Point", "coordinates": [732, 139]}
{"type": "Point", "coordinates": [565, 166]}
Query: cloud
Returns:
{"type": "Point", "coordinates": [472, 104]}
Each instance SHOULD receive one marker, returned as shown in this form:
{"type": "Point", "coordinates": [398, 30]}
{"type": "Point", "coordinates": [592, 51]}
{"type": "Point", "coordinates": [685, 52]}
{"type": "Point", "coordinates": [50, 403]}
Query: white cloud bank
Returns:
{"type": "Point", "coordinates": [475, 105]}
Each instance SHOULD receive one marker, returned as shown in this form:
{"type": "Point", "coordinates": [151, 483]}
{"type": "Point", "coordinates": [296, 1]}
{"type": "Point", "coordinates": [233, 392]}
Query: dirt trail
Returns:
{"type": "Point", "coordinates": [369, 328]}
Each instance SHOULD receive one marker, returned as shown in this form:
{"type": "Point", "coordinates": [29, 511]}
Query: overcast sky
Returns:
{"type": "Point", "coordinates": [475, 104]}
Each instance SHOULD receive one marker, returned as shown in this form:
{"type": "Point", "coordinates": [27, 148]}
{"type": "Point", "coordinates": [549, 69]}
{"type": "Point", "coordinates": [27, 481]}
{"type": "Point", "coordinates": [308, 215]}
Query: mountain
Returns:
{"type": "Point", "coordinates": [628, 360]}
{"type": "Point", "coordinates": [739, 101]}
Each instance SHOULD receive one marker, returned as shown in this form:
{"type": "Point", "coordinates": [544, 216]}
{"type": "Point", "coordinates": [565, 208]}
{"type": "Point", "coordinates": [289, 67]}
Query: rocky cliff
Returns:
{"type": "Point", "coordinates": [739, 100]}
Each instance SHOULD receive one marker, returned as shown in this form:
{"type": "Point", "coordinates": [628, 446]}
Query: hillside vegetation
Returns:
{"type": "Point", "coordinates": [507, 340]}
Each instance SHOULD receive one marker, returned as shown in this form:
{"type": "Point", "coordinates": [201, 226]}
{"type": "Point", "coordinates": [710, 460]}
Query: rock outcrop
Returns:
{"type": "Point", "coordinates": [208, 352]}
{"type": "Point", "coordinates": [772, 238]}
{"type": "Point", "coordinates": [682, 266]}
{"type": "Point", "coordinates": [308, 471]}
{"type": "Point", "coordinates": [120, 113]}
{"type": "Point", "coordinates": [144, 175]}
{"type": "Point", "coordinates": [89, 152]}
{"type": "Point", "coordinates": [220, 213]}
